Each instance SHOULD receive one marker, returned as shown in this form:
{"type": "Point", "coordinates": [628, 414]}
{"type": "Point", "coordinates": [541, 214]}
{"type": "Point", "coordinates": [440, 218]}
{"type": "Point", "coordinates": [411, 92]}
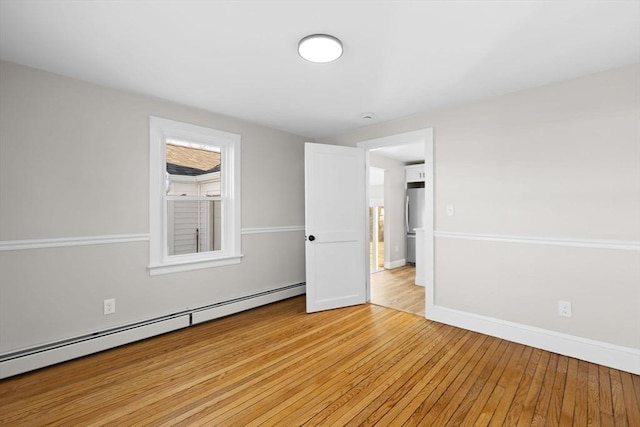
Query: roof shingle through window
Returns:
{"type": "Point", "coordinates": [191, 161]}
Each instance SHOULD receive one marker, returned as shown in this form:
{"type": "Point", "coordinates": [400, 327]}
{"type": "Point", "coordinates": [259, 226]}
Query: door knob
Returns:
{"type": "Point", "coordinates": [312, 238]}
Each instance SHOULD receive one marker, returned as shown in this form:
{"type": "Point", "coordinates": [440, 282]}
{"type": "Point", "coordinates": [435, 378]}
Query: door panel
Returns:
{"type": "Point", "coordinates": [335, 217]}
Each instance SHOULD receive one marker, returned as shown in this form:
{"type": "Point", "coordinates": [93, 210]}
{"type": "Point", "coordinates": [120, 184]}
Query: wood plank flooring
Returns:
{"type": "Point", "coordinates": [396, 288]}
{"type": "Point", "coordinates": [362, 365]}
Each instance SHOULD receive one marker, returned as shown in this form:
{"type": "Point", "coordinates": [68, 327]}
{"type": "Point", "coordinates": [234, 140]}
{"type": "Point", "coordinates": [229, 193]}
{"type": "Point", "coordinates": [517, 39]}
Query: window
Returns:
{"type": "Point", "coordinates": [194, 206]}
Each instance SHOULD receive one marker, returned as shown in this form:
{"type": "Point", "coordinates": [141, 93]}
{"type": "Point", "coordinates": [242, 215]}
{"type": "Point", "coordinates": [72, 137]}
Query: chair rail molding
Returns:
{"type": "Point", "coordinates": [59, 242]}
{"type": "Point", "coordinates": [629, 245]}
{"type": "Point", "coordinates": [278, 229]}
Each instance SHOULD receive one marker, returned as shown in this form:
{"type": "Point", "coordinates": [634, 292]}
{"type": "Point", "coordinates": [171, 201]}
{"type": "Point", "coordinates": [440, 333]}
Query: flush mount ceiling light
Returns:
{"type": "Point", "coordinates": [320, 48]}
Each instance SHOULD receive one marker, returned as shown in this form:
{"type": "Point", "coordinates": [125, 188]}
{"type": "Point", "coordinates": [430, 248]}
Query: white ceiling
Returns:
{"type": "Point", "coordinates": [239, 58]}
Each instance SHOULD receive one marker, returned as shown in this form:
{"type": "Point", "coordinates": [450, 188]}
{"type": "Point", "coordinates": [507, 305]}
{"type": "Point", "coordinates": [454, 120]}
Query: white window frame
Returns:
{"type": "Point", "coordinates": [161, 130]}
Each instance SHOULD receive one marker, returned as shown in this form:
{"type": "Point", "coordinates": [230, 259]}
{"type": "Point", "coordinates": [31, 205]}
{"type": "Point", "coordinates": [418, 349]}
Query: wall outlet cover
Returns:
{"type": "Point", "coordinates": [109, 306]}
{"type": "Point", "coordinates": [564, 308]}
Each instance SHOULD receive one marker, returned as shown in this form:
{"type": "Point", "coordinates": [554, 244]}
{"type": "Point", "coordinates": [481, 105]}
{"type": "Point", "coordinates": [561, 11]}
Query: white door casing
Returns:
{"type": "Point", "coordinates": [424, 136]}
{"type": "Point", "coordinates": [335, 226]}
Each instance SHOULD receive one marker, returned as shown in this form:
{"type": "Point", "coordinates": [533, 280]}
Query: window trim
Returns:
{"type": "Point", "coordinates": [159, 262]}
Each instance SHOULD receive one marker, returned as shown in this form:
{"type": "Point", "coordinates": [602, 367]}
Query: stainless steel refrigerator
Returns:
{"type": "Point", "coordinates": [414, 217]}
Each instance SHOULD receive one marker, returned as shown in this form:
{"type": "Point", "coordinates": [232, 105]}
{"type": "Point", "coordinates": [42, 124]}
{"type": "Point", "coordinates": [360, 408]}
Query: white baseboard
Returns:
{"type": "Point", "coordinates": [395, 264]}
{"type": "Point", "coordinates": [254, 301]}
{"type": "Point", "coordinates": [82, 347]}
{"type": "Point", "coordinates": [614, 356]}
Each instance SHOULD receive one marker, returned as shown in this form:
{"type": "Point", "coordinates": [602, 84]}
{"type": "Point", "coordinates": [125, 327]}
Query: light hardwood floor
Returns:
{"type": "Point", "coordinates": [362, 365]}
{"type": "Point", "coordinates": [396, 288]}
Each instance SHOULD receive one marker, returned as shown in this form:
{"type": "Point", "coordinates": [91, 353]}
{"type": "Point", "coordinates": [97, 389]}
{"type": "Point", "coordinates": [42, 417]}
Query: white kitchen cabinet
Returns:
{"type": "Point", "coordinates": [415, 173]}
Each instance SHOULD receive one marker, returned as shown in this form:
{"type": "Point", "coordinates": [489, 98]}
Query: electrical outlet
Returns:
{"type": "Point", "coordinates": [564, 308]}
{"type": "Point", "coordinates": [451, 210]}
{"type": "Point", "coordinates": [109, 306]}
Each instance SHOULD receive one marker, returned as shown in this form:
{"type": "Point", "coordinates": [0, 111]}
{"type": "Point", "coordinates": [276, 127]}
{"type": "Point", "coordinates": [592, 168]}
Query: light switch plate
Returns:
{"type": "Point", "coordinates": [451, 210]}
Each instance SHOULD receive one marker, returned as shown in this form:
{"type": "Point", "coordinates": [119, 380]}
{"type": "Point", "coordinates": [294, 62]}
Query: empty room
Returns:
{"type": "Point", "coordinates": [281, 213]}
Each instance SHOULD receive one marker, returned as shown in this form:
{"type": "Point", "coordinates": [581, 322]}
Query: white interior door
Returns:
{"type": "Point", "coordinates": [335, 227]}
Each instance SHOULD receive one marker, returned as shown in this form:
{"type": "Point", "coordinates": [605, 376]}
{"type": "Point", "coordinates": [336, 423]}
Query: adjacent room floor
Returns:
{"type": "Point", "coordinates": [395, 288]}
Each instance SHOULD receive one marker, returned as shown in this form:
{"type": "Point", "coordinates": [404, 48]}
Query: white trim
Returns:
{"type": "Point", "coordinates": [212, 176]}
{"type": "Point", "coordinates": [602, 353]}
{"type": "Point", "coordinates": [16, 245]}
{"type": "Point", "coordinates": [395, 264]}
{"type": "Point", "coordinates": [282, 229]}
{"type": "Point", "coordinates": [40, 359]}
{"type": "Point", "coordinates": [628, 245]}
{"type": "Point", "coordinates": [188, 264]}
{"type": "Point", "coordinates": [194, 198]}
{"type": "Point", "coordinates": [61, 242]}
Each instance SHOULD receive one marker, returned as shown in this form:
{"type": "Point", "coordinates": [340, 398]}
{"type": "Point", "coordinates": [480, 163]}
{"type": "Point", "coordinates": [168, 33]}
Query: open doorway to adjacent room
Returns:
{"type": "Point", "coordinates": [392, 261]}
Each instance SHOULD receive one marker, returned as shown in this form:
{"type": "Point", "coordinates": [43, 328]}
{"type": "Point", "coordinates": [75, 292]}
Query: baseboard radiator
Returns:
{"type": "Point", "coordinates": [38, 357]}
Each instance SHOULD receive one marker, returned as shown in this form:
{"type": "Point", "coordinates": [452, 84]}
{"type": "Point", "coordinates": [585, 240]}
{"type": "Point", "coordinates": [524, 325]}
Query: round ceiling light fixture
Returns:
{"type": "Point", "coordinates": [320, 48]}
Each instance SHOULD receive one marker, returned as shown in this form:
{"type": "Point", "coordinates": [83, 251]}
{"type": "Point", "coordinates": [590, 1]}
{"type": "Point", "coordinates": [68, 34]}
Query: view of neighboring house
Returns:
{"type": "Point", "coordinates": [193, 191]}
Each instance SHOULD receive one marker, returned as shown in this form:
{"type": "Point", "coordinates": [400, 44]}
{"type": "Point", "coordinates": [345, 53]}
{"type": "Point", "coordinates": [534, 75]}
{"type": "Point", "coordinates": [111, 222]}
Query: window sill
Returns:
{"type": "Point", "coordinates": [177, 266]}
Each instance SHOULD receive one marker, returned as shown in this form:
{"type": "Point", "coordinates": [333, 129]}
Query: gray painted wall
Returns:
{"type": "Point", "coordinates": [74, 162]}
{"type": "Point", "coordinates": [558, 161]}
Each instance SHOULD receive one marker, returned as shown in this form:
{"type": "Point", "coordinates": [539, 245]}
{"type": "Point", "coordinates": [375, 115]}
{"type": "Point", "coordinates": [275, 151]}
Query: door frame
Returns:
{"type": "Point", "coordinates": [385, 234]}
{"type": "Point", "coordinates": [425, 135]}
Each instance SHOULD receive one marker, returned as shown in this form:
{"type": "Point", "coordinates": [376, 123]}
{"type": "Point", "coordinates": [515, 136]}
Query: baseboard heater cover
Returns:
{"type": "Point", "coordinates": [216, 311]}
{"type": "Point", "coordinates": [67, 350]}
{"type": "Point", "coordinates": [39, 357]}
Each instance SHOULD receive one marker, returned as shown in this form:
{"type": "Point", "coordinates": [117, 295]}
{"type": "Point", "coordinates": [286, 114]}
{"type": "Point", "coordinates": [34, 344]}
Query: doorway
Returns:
{"type": "Point", "coordinates": [392, 280]}
{"type": "Point", "coordinates": [392, 273]}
